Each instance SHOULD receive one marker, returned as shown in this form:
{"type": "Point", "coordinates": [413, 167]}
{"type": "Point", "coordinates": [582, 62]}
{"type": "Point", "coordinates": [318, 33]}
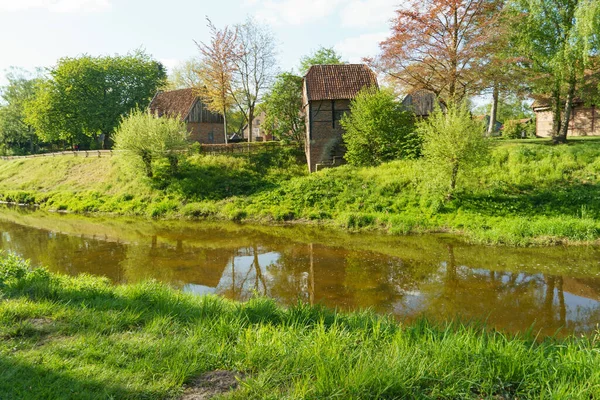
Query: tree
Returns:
{"type": "Point", "coordinates": [378, 129]}
{"type": "Point", "coordinates": [452, 142]}
{"type": "Point", "coordinates": [185, 75]}
{"type": "Point", "coordinates": [15, 134]}
{"type": "Point", "coordinates": [510, 106]}
{"type": "Point", "coordinates": [217, 66]}
{"type": "Point", "coordinates": [558, 41]}
{"type": "Point", "coordinates": [322, 56]}
{"type": "Point", "coordinates": [87, 96]}
{"type": "Point", "coordinates": [256, 67]}
{"type": "Point", "coordinates": [150, 138]}
{"type": "Point", "coordinates": [282, 107]}
{"type": "Point", "coordinates": [439, 45]}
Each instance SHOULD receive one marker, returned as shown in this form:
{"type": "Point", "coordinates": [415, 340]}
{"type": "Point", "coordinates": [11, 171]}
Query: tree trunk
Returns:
{"type": "Point", "coordinates": [556, 117]}
{"type": "Point", "coordinates": [250, 118]}
{"type": "Point", "coordinates": [493, 111]}
{"type": "Point", "coordinates": [225, 125]}
{"type": "Point", "coordinates": [564, 129]}
{"type": "Point", "coordinates": [453, 177]}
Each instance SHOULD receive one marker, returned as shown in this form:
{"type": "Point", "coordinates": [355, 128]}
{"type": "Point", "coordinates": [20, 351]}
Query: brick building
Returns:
{"type": "Point", "coordinates": [204, 125]}
{"type": "Point", "coordinates": [585, 120]}
{"type": "Point", "coordinates": [327, 92]}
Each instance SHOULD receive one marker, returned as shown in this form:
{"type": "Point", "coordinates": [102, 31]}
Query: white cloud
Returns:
{"type": "Point", "coordinates": [369, 13]}
{"type": "Point", "coordinates": [355, 48]}
{"type": "Point", "coordinates": [59, 6]}
{"type": "Point", "coordinates": [293, 12]}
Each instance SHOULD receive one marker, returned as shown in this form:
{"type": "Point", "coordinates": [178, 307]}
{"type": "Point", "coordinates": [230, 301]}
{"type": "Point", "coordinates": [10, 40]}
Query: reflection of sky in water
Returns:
{"type": "Point", "coordinates": [198, 289]}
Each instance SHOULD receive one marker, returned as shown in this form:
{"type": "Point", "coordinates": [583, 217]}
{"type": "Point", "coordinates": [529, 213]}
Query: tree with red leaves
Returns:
{"type": "Point", "coordinates": [441, 46]}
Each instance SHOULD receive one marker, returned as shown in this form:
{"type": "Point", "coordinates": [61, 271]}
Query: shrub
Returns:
{"type": "Point", "coordinates": [378, 129]}
{"type": "Point", "coordinates": [149, 138]}
{"type": "Point", "coordinates": [452, 142]}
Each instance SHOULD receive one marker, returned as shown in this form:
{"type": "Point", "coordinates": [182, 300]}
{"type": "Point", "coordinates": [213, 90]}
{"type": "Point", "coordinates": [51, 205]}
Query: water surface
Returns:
{"type": "Point", "coordinates": [437, 276]}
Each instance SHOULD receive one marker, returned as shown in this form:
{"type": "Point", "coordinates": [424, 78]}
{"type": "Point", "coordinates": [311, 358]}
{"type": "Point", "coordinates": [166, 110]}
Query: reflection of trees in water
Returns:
{"type": "Point", "coordinates": [176, 265]}
{"type": "Point", "coordinates": [504, 299]}
{"type": "Point", "coordinates": [242, 282]}
{"type": "Point", "coordinates": [66, 254]}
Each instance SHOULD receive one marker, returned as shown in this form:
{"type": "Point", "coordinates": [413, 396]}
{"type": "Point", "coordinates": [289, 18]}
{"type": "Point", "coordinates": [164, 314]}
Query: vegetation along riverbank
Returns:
{"type": "Point", "coordinates": [83, 338]}
{"type": "Point", "coordinates": [526, 192]}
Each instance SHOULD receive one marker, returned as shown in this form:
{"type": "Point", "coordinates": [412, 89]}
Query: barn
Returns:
{"type": "Point", "coordinates": [204, 126]}
{"type": "Point", "coordinates": [327, 92]}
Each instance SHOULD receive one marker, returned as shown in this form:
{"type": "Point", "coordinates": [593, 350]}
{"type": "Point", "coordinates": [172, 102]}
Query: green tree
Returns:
{"type": "Point", "coordinates": [15, 134]}
{"type": "Point", "coordinates": [150, 138]}
{"type": "Point", "coordinates": [86, 97]}
{"type": "Point", "coordinates": [378, 129]}
{"type": "Point", "coordinates": [453, 142]}
{"type": "Point", "coordinates": [321, 56]}
{"type": "Point", "coordinates": [557, 42]}
{"type": "Point", "coordinates": [282, 107]}
{"type": "Point", "coordinates": [185, 75]}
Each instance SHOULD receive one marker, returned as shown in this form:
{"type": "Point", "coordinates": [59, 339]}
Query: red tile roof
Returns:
{"type": "Point", "coordinates": [337, 82]}
{"type": "Point", "coordinates": [173, 103]}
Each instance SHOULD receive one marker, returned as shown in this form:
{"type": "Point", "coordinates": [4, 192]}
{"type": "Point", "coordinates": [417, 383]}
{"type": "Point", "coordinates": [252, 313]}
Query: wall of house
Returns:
{"type": "Point", "coordinates": [206, 133]}
{"type": "Point", "coordinates": [585, 121]}
{"type": "Point", "coordinates": [324, 131]}
{"type": "Point", "coordinates": [200, 114]}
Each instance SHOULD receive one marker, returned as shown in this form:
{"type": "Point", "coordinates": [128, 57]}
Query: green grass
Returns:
{"type": "Point", "coordinates": [528, 192]}
{"type": "Point", "coordinates": [82, 338]}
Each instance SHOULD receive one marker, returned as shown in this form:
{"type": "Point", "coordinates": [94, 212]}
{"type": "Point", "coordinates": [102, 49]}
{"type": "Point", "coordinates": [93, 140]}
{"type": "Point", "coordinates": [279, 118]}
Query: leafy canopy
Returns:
{"type": "Point", "coordinates": [322, 56]}
{"type": "Point", "coordinates": [453, 142]}
{"type": "Point", "coordinates": [149, 138]}
{"type": "Point", "coordinates": [282, 107]}
{"type": "Point", "coordinates": [16, 136]}
{"type": "Point", "coordinates": [87, 96]}
{"type": "Point", "coordinates": [378, 129]}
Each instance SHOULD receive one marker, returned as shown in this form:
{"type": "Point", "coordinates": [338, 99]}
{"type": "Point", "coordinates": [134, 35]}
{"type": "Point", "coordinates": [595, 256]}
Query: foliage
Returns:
{"type": "Point", "coordinates": [185, 75]}
{"type": "Point", "coordinates": [440, 46]}
{"type": "Point", "coordinates": [378, 129]}
{"type": "Point", "coordinates": [514, 129]}
{"type": "Point", "coordinates": [216, 69]}
{"type": "Point", "coordinates": [15, 135]}
{"type": "Point", "coordinates": [557, 45]}
{"type": "Point", "coordinates": [148, 340]}
{"type": "Point", "coordinates": [321, 56]}
{"type": "Point", "coordinates": [452, 142]}
{"type": "Point", "coordinates": [150, 138]}
{"type": "Point", "coordinates": [101, 89]}
{"type": "Point", "coordinates": [282, 108]}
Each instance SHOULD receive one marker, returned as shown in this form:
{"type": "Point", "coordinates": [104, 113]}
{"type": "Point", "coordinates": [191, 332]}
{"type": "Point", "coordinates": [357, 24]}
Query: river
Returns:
{"type": "Point", "coordinates": [553, 290]}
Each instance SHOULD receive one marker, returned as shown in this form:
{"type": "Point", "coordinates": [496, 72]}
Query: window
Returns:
{"type": "Point", "coordinates": [211, 136]}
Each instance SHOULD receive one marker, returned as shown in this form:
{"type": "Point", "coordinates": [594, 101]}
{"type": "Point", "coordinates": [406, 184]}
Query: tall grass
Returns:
{"type": "Point", "coordinates": [81, 338]}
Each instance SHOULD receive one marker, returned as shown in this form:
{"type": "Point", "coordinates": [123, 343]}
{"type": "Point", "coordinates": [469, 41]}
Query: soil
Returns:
{"type": "Point", "coordinates": [211, 384]}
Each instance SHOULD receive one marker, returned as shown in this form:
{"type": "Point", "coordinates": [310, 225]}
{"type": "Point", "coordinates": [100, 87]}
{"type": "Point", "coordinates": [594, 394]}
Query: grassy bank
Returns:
{"type": "Point", "coordinates": [82, 338]}
{"type": "Point", "coordinates": [528, 192]}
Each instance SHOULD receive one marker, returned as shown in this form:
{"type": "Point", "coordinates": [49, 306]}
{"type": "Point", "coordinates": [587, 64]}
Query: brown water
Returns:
{"type": "Point", "coordinates": [436, 276]}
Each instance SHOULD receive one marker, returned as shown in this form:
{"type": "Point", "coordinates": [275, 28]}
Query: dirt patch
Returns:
{"type": "Point", "coordinates": [211, 384]}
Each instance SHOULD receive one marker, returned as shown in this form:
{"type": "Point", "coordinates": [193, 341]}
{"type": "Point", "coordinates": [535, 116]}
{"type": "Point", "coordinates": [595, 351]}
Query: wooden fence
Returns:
{"type": "Point", "coordinates": [79, 153]}
{"type": "Point", "coordinates": [231, 148]}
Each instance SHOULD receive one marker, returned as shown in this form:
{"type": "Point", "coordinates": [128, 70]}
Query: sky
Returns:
{"type": "Point", "coordinates": [36, 33]}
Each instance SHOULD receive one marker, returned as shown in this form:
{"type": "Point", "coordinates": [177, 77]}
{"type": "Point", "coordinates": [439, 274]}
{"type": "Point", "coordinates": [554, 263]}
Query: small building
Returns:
{"type": "Point", "coordinates": [326, 95]}
{"type": "Point", "coordinates": [584, 121]}
{"type": "Point", "coordinates": [205, 126]}
{"type": "Point", "coordinates": [421, 102]}
{"type": "Point", "coordinates": [258, 132]}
